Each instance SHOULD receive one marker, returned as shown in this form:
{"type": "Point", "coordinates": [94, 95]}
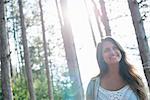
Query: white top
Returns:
{"type": "Point", "coordinates": [124, 93]}
{"type": "Point", "coordinates": [96, 92]}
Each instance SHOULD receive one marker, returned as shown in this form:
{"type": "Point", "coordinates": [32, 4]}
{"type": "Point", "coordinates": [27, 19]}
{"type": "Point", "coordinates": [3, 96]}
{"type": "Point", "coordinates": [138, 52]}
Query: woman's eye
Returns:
{"type": "Point", "coordinates": [109, 49]}
{"type": "Point", "coordinates": [106, 50]}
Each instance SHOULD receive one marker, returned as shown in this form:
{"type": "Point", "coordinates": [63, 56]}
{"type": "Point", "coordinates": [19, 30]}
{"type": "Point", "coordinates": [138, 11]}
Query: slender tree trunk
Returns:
{"type": "Point", "coordinates": [71, 56]}
{"type": "Point", "coordinates": [58, 12]}
{"type": "Point", "coordinates": [4, 57]}
{"type": "Point", "coordinates": [90, 23]}
{"type": "Point", "coordinates": [0, 72]}
{"type": "Point", "coordinates": [141, 37]}
{"type": "Point", "coordinates": [26, 54]}
{"type": "Point", "coordinates": [104, 18]}
{"type": "Point", "coordinates": [96, 12]}
{"type": "Point", "coordinates": [49, 80]}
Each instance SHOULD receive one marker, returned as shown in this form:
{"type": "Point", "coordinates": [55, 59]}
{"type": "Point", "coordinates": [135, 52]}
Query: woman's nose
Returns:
{"type": "Point", "coordinates": [112, 51]}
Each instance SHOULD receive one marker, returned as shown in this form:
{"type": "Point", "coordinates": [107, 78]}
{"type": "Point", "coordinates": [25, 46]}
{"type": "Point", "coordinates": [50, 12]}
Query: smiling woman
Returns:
{"type": "Point", "coordinates": [83, 38]}
{"type": "Point", "coordinates": [111, 53]}
{"type": "Point", "coordinates": [117, 79]}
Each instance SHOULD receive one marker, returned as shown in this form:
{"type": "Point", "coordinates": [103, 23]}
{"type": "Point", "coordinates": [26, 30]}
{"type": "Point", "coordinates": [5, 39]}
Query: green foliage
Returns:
{"type": "Point", "coordinates": [64, 89]}
{"type": "Point", "coordinates": [64, 92]}
{"type": "Point", "coordinates": [36, 52]}
{"type": "Point", "coordinates": [0, 90]}
{"type": "Point", "coordinates": [20, 91]}
{"type": "Point", "coordinates": [39, 75]}
{"type": "Point", "coordinates": [41, 87]}
{"type": "Point", "coordinates": [58, 93]}
{"type": "Point", "coordinates": [41, 90]}
{"type": "Point", "coordinates": [62, 86]}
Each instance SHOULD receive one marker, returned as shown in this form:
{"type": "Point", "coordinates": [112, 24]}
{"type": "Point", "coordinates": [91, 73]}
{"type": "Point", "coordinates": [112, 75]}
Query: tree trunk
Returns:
{"type": "Point", "coordinates": [71, 56]}
{"type": "Point", "coordinates": [49, 80]}
{"type": "Point", "coordinates": [104, 18]}
{"type": "Point", "coordinates": [58, 12]}
{"type": "Point", "coordinates": [141, 37]}
{"type": "Point", "coordinates": [4, 57]}
{"type": "Point", "coordinates": [90, 23]}
{"type": "Point", "coordinates": [26, 54]}
{"type": "Point", "coordinates": [96, 12]}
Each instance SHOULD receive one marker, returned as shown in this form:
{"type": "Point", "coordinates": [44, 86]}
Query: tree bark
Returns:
{"type": "Point", "coordinates": [71, 56]}
{"type": "Point", "coordinates": [104, 18]}
{"type": "Point", "coordinates": [90, 23]}
{"type": "Point", "coordinates": [49, 80]}
{"type": "Point", "coordinates": [4, 57]}
{"type": "Point", "coordinates": [26, 54]}
{"type": "Point", "coordinates": [96, 12]}
{"type": "Point", "coordinates": [141, 37]}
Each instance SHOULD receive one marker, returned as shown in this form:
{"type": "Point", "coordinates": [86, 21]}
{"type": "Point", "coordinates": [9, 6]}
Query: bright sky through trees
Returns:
{"type": "Point", "coordinates": [121, 27]}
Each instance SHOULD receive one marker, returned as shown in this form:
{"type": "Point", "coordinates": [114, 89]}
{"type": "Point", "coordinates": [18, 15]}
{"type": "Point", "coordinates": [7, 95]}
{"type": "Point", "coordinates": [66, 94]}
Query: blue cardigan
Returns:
{"type": "Point", "coordinates": [92, 91]}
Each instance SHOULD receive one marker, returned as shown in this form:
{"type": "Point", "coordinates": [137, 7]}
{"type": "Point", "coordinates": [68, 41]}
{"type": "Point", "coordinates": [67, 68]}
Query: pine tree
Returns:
{"type": "Point", "coordinates": [49, 80]}
{"type": "Point", "coordinates": [70, 51]}
{"type": "Point", "coordinates": [104, 18]}
{"type": "Point", "coordinates": [4, 57]}
{"type": "Point", "coordinates": [26, 54]}
{"type": "Point", "coordinates": [141, 37]}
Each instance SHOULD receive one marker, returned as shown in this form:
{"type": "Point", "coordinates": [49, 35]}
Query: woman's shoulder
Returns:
{"type": "Point", "coordinates": [93, 81]}
{"type": "Point", "coordinates": [95, 78]}
{"type": "Point", "coordinates": [92, 88]}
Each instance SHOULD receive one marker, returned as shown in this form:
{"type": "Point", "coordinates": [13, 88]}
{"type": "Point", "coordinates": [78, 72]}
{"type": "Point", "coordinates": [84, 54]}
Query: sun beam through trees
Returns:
{"type": "Point", "coordinates": [47, 47]}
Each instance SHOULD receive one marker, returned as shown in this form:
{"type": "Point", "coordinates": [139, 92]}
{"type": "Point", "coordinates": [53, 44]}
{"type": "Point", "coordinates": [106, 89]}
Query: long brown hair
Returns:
{"type": "Point", "coordinates": [126, 70]}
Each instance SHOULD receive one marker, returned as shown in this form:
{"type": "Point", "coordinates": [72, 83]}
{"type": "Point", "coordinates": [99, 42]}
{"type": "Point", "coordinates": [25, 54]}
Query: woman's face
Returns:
{"type": "Point", "coordinates": [111, 53]}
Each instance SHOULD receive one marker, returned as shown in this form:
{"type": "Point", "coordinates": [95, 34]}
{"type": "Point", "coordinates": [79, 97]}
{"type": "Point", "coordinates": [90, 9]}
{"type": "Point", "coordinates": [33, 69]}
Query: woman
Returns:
{"type": "Point", "coordinates": [117, 79]}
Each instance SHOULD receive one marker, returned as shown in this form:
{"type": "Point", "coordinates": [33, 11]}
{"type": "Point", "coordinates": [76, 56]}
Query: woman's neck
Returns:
{"type": "Point", "coordinates": [113, 69]}
{"type": "Point", "coordinates": [112, 79]}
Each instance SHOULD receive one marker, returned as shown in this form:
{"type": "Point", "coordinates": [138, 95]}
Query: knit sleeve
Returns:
{"type": "Point", "coordinates": [90, 91]}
